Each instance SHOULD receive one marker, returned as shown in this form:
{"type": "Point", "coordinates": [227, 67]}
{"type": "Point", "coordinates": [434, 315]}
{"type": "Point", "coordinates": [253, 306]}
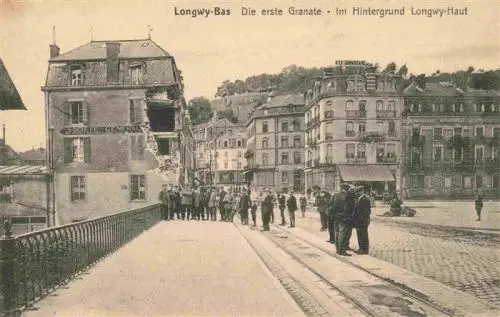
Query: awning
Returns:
{"type": "Point", "coordinates": [365, 173]}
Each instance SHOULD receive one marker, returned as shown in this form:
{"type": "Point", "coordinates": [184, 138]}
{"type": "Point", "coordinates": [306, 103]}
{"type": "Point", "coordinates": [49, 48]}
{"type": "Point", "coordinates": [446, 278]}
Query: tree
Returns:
{"type": "Point", "coordinates": [403, 70]}
{"type": "Point", "coordinates": [228, 114]}
{"type": "Point", "coordinates": [390, 68]}
{"type": "Point", "coordinates": [200, 110]}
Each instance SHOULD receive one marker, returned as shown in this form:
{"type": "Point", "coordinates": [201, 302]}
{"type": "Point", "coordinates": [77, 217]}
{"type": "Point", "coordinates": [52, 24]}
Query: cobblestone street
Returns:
{"type": "Point", "coordinates": [469, 264]}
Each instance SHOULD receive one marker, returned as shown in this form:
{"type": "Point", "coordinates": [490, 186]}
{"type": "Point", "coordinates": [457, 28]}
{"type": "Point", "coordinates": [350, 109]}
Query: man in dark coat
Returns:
{"type": "Point", "coordinates": [334, 207]}
{"type": "Point", "coordinates": [178, 203]}
{"type": "Point", "coordinates": [478, 205]}
{"type": "Point", "coordinates": [170, 203]}
{"type": "Point", "coordinates": [291, 204]}
{"type": "Point", "coordinates": [222, 195]}
{"type": "Point", "coordinates": [303, 205]}
{"type": "Point", "coordinates": [197, 203]}
{"type": "Point", "coordinates": [281, 205]}
{"type": "Point", "coordinates": [361, 221]}
{"type": "Point", "coordinates": [266, 207]}
{"type": "Point", "coordinates": [345, 223]}
{"type": "Point", "coordinates": [321, 202]}
{"type": "Point", "coordinates": [245, 204]}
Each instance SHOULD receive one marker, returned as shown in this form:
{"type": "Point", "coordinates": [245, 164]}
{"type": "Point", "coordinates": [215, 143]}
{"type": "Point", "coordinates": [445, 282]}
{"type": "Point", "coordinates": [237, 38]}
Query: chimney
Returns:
{"type": "Point", "coordinates": [113, 64]}
{"type": "Point", "coordinates": [54, 50]}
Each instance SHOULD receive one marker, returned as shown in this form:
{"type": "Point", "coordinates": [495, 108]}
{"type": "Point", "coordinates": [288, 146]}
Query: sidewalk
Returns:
{"type": "Point", "coordinates": [176, 269]}
{"type": "Point", "coordinates": [447, 213]}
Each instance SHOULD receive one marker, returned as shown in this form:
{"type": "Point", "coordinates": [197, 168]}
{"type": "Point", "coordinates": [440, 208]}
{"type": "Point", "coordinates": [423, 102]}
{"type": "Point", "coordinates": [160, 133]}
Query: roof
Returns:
{"type": "Point", "coordinates": [284, 100]}
{"type": "Point", "coordinates": [447, 89]}
{"type": "Point", "coordinates": [34, 155]}
{"type": "Point", "coordinates": [23, 170]}
{"type": "Point", "coordinates": [365, 173]}
{"type": "Point", "coordinates": [128, 49]}
{"type": "Point", "coordinates": [9, 97]}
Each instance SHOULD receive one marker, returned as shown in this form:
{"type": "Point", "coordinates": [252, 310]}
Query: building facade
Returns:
{"type": "Point", "coordinates": [353, 128]}
{"type": "Point", "coordinates": [275, 147]}
{"type": "Point", "coordinates": [117, 128]}
{"type": "Point", "coordinates": [451, 141]}
{"type": "Point", "coordinates": [220, 146]}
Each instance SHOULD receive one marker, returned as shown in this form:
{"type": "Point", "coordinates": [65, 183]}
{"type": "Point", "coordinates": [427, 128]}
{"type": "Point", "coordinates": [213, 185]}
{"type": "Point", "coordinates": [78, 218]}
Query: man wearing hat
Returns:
{"type": "Point", "coordinates": [291, 204]}
{"type": "Point", "coordinates": [334, 211]}
{"type": "Point", "coordinates": [345, 222]}
{"type": "Point", "coordinates": [162, 197]}
{"type": "Point", "coordinates": [266, 208]}
{"type": "Point", "coordinates": [361, 220]}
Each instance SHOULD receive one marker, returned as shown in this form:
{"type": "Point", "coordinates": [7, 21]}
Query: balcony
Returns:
{"type": "Point", "coordinates": [355, 114]}
{"type": "Point", "coordinates": [392, 134]}
{"type": "Point", "coordinates": [356, 160]}
{"type": "Point", "coordinates": [371, 137]}
{"type": "Point", "coordinates": [385, 114]}
{"type": "Point", "coordinates": [389, 159]}
{"type": "Point", "coordinates": [350, 133]}
{"type": "Point", "coordinates": [328, 114]}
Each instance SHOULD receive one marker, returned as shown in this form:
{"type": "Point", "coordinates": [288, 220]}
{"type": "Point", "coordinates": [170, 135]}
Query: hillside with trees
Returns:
{"type": "Point", "coordinates": [298, 79]}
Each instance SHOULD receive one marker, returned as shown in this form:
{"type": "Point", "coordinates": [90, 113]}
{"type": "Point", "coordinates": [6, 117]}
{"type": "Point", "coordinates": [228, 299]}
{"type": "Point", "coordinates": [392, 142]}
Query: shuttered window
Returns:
{"type": "Point", "coordinates": [78, 188]}
{"type": "Point", "coordinates": [136, 111]}
{"type": "Point", "coordinates": [77, 150]}
{"type": "Point", "coordinates": [138, 187]}
{"type": "Point", "coordinates": [76, 113]}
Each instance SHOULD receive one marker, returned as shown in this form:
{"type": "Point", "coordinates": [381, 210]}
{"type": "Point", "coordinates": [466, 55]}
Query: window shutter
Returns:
{"type": "Point", "coordinates": [131, 110]}
{"type": "Point", "coordinates": [133, 147]}
{"type": "Point", "coordinates": [68, 150]}
{"type": "Point", "coordinates": [86, 150]}
{"type": "Point", "coordinates": [72, 185]}
{"type": "Point", "coordinates": [66, 112]}
{"type": "Point", "coordinates": [86, 113]}
{"type": "Point", "coordinates": [138, 111]}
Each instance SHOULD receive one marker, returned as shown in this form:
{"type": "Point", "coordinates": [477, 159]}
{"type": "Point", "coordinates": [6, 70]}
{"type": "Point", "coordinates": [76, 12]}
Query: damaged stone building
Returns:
{"type": "Point", "coordinates": [117, 127]}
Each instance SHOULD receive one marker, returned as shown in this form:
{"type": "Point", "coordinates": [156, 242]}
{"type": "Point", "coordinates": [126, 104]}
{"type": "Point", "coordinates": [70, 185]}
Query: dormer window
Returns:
{"type": "Point", "coordinates": [136, 74]}
{"type": "Point", "coordinates": [76, 73]}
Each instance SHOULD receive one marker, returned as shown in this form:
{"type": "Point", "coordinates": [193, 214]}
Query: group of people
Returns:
{"type": "Point", "coordinates": [341, 213]}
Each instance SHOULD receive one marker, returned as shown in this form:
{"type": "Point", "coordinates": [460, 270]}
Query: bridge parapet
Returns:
{"type": "Point", "coordinates": [33, 265]}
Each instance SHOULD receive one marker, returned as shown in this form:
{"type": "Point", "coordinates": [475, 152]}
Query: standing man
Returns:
{"type": "Point", "coordinates": [211, 205]}
{"type": "Point", "coordinates": [303, 204]}
{"type": "Point", "coordinates": [321, 203]}
{"type": "Point", "coordinates": [245, 204]}
{"type": "Point", "coordinates": [197, 199]}
{"type": "Point", "coordinates": [266, 208]}
{"type": "Point", "coordinates": [170, 203]}
{"type": "Point", "coordinates": [292, 207]}
{"type": "Point", "coordinates": [253, 210]}
{"type": "Point", "coordinates": [361, 220]}
{"type": "Point", "coordinates": [478, 205]}
{"type": "Point", "coordinates": [222, 196]}
{"type": "Point", "coordinates": [345, 223]}
{"type": "Point", "coordinates": [335, 211]}
{"type": "Point", "coordinates": [281, 205]}
{"type": "Point", "coordinates": [178, 202]}
{"type": "Point", "coordinates": [186, 204]}
{"type": "Point", "coordinates": [228, 205]}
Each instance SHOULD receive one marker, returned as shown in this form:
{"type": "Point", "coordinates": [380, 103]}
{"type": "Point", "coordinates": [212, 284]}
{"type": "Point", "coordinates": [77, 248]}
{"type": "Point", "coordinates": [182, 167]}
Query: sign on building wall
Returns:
{"type": "Point", "coordinates": [101, 130]}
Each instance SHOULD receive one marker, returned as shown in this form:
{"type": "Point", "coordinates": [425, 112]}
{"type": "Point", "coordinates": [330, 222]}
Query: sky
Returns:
{"type": "Point", "coordinates": [212, 49]}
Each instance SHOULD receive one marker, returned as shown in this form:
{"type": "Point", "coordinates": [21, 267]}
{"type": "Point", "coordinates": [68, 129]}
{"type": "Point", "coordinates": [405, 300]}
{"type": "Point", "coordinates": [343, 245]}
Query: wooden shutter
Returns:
{"type": "Point", "coordinates": [68, 150]}
{"type": "Point", "coordinates": [86, 150]}
{"type": "Point", "coordinates": [86, 113]}
{"type": "Point", "coordinates": [138, 111]}
{"type": "Point", "coordinates": [66, 112]}
{"type": "Point", "coordinates": [72, 186]}
{"type": "Point", "coordinates": [131, 110]}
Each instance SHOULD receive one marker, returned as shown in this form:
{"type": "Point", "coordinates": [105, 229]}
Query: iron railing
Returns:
{"type": "Point", "coordinates": [32, 265]}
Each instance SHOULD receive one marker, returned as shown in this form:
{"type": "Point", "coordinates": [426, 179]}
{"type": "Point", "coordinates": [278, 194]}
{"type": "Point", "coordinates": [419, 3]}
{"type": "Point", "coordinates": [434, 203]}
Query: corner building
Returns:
{"type": "Point", "coordinates": [115, 115]}
{"type": "Point", "coordinates": [353, 128]}
{"type": "Point", "coordinates": [275, 147]}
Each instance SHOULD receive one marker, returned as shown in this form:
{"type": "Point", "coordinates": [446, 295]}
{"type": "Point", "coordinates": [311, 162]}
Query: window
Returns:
{"type": "Point", "coordinates": [284, 177]}
{"type": "Point", "coordinates": [284, 142]}
{"type": "Point", "coordinates": [349, 105]}
{"type": "Point", "coordinates": [361, 150]}
{"type": "Point", "coordinates": [496, 181]}
{"type": "Point", "coordinates": [448, 133]}
{"type": "Point", "coordinates": [238, 144]}
{"type": "Point", "coordinates": [296, 158]}
{"type": "Point", "coordinates": [137, 187]}
{"type": "Point", "coordinates": [265, 143]}
{"type": "Point", "coordinates": [136, 75]}
{"type": "Point", "coordinates": [479, 131]}
{"type": "Point", "coordinates": [391, 105]}
{"type": "Point", "coordinates": [349, 150]}
{"type": "Point", "coordinates": [329, 150]}
{"type": "Point", "coordinates": [76, 150]}
{"type": "Point", "coordinates": [479, 107]}
{"type": "Point", "coordinates": [457, 154]}
{"type": "Point", "coordinates": [284, 158]}
{"type": "Point", "coordinates": [76, 75]}
{"type": "Point", "coordinates": [5, 191]}
{"type": "Point", "coordinates": [379, 105]}
{"type": "Point", "coordinates": [467, 182]}
{"type": "Point", "coordinates": [362, 108]}
{"type": "Point", "coordinates": [438, 153]}
{"type": "Point", "coordinates": [362, 128]}
{"type": "Point", "coordinates": [479, 181]}
{"type": "Point", "coordinates": [239, 154]}
{"type": "Point", "coordinates": [296, 141]}
{"type": "Point", "coordinates": [137, 147]}
{"type": "Point", "coordinates": [391, 150]}
{"type": "Point", "coordinates": [284, 126]}
{"type": "Point", "coordinates": [457, 131]}
{"type": "Point", "coordinates": [76, 112]}
{"type": "Point", "coordinates": [264, 127]}
{"type": "Point", "coordinates": [438, 133]}
{"type": "Point", "coordinates": [392, 128]}
{"type": "Point", "coordinates": [380, 152]}
{"type": "Point", "coordinates": [349, 129]}
{"type": "Point", "coordinates": [225, 164]}
{"type": "Point", "coordinates": [135, 111]}
{"type": "Point", "coordinates": [232, 143]}
{"type": "Point", "coordinates": [447, 182]}
{"type": "Point", "coordinates": [77, 188]}
{"type": "Point", "coordinates": [296, 125]}
{"type": "Point", "coordinates": [225, 143]}
{"type": "Point", "coordinates": [265, 158]}
{"type": "Point", "coordinates": [225, 154]}
{"type": "Point", "coordinates": [479, 154]}
{"type": "Point", "coordinates": [239, 165]}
